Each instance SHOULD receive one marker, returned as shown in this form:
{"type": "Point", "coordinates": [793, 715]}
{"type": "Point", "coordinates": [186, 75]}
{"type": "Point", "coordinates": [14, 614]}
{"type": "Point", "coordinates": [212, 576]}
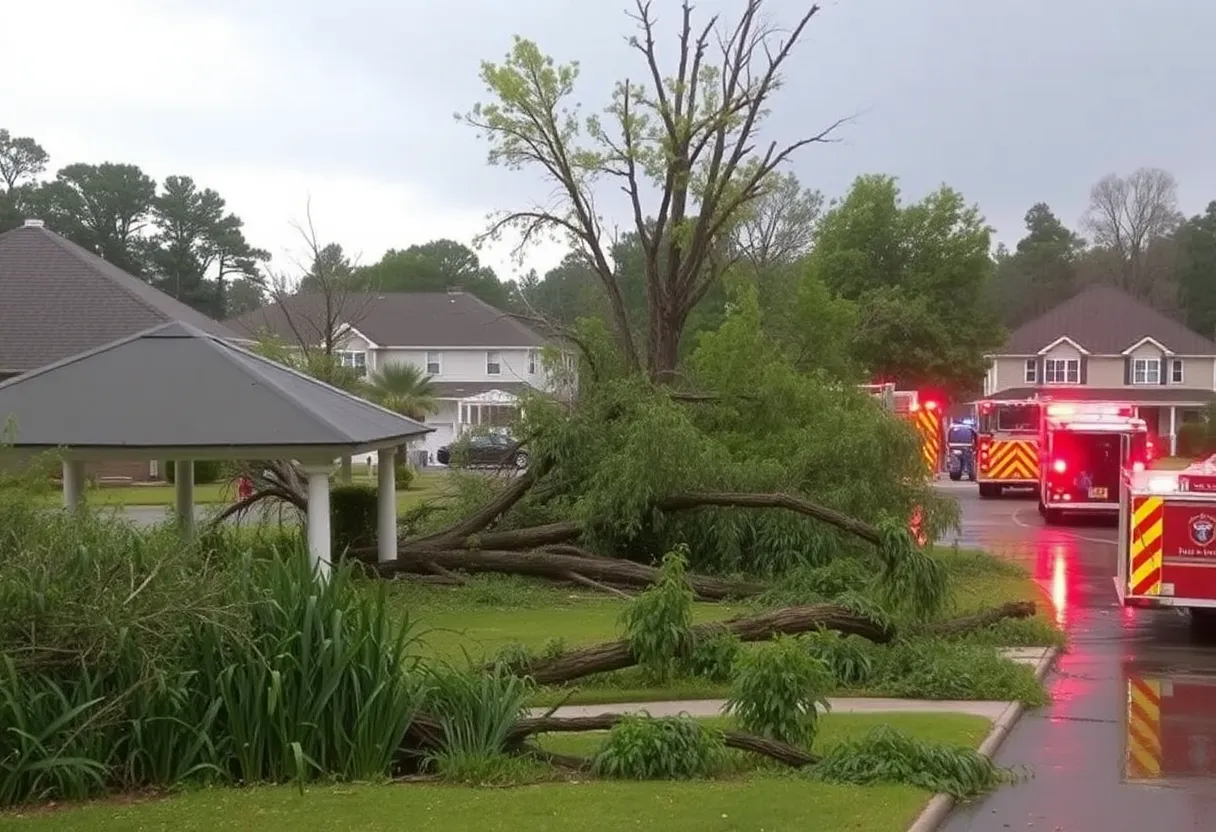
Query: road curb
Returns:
{"type": "Point", "coordinates": [939, 806]}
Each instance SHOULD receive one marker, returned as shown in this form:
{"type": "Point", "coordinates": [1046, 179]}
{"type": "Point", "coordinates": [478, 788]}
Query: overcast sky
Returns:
{"type": "Point", "coordinates": [270, 102]}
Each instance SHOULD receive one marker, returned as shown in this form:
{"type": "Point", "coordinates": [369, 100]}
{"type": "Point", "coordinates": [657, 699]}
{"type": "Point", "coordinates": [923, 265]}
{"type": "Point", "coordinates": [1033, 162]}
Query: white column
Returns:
{"type": "Point", "coordinates": [319, 539]}
{"type": "Point", "coordinates": [1173, 430]}
{"type": "Point", "coordinates": [345, 476]}
{"type": "Point", "coordinates": [73, 483]}
{"type": "Point", "coordinates": [183, 477]}
{"type": "Point", "coordinates": [386, 511]}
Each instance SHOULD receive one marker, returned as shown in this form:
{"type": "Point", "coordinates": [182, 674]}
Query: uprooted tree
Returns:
{"type": "Point", "coordinates": [758, 464]}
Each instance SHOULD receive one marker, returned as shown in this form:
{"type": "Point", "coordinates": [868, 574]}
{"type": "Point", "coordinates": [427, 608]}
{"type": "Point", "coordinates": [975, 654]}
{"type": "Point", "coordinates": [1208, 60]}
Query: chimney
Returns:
{"type": "Point", "coordinates": [34, 224]}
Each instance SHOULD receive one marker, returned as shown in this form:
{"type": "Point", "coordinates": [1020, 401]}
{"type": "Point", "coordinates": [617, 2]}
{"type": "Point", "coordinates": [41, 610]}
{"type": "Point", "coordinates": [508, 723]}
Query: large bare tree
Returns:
{"type": "Point", "coordinates": [1130, 215]}
{"type": "Point", "coordinates": [691, 136]}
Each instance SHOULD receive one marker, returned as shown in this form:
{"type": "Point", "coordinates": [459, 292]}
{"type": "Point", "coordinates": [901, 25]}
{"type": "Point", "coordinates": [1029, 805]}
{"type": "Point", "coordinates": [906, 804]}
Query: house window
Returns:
{"type": "Point", "coordinates": [1062, 371]}
{"type": "Point", "coordinates": [1146, 371]}
{"type": "Point", "coordinates": [355, 360]}
{"type": "Point", "coordinates": [493, 364]}
{"type": "Point", "coordinates": [1176, 371]}
{"type": "Point", "coordinates": [1031, 371]}
{"type": "Point", "coordinates": [433, 364]}
{"type": "Point", "coordinates": [532, 362]}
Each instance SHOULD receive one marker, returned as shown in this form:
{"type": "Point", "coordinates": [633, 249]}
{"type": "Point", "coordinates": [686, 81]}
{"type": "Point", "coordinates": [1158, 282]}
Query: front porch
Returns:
{"type": "Point", "coordinates": [1165, 421]}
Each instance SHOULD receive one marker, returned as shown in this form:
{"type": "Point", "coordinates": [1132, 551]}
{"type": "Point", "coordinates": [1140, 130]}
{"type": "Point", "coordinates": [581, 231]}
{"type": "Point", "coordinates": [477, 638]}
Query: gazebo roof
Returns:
{"type": "Point", "coordinates": [177, 387]}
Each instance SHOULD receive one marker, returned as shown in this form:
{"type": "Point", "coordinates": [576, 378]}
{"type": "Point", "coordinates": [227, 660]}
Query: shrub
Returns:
{"type": "Point", "coordinates": [475, 709]}
{"type": "Point", "coordinates": [658, 622]}
{"type": "Point", "coordinates": [644, 748]}
{"type": "Point", "coordinates": [714, 658]}
{"type": "Point", "coordinates": [847, 657]}
{"type": "Point", "coordinates": [403, 475]}
{"type": "Point", "coordinates": [206, 471]}
{"type": "Point", "coordinates": [353, 510]}
{"type": "Point", "coordinates": [884, 755]}
{"type": "Point", "coordinates": [777, 689]}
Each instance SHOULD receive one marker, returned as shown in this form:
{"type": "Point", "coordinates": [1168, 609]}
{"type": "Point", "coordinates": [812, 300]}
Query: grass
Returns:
{"type": "Point", "coordinates": [426, 485]}
{"type": "Point", "coordinates": [762, 799]}
{"type": "Point", "coordinates": [1172, 463]}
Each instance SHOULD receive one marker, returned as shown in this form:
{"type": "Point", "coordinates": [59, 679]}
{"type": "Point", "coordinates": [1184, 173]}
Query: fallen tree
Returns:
{"type": "Point", "coordinates": [617, 655]}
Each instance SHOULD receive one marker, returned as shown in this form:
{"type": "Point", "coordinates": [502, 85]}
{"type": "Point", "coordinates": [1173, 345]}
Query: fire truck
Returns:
{"type": "Point", "coordinates": [925, 414]}
{"type": "Point", "coordinates": [1084, 448]}
{"type": "Point", "coordinates": [1170, 728]}
{"type": "Point", "coordinates": [1167, 539]}
{"type": "Point", "coordinates": [1007, 437]}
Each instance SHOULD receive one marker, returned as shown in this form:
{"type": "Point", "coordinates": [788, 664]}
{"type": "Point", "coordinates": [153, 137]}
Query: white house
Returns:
{"type": "Point", "coordinates": [479, 358]}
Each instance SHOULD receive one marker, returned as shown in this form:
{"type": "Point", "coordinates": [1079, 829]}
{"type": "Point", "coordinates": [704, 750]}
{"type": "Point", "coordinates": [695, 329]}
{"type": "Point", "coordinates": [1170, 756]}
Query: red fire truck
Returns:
{"type": "Point", "coordinates": [1007, 436]}
{"type": "Point", "coordinates": [1084, 447]}
{"type": "Point", "coordinates": [1167, 539]}
{"type": "Point", "coordinates": [925, 414]}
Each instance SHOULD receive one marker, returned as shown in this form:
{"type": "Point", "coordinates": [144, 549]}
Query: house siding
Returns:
{"type": "Point", "coordinates": [470, 364]}
{"type": "Point", "coordinates": [1105, 372]}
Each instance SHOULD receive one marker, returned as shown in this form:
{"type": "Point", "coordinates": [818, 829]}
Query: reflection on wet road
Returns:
{"type": "Point", "coordinates": [1129, 740]}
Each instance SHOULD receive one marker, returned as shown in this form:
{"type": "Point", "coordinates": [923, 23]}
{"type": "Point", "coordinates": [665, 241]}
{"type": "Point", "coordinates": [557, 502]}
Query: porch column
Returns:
{"type": "Point", "coordinates": [183, 478]}
{"type": "Point", "coordinates": [345, 475]}
{"type": "Point", "coordinates": [1173, 430]}
{"type": "Point", "coordinates": [319, 540]}
{"type": "Point", "coordinates": [73, 483]}
{"type": "Point", "coordinates": [386, 510]}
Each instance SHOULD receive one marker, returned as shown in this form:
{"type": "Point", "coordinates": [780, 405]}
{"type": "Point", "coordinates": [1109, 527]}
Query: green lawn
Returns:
{"type": "Point", "coordinates": [1172, 463]}
{"type": "Point", "coordinates": [764, 799]}
{"type": "Point", "coordinates": [427, 485]}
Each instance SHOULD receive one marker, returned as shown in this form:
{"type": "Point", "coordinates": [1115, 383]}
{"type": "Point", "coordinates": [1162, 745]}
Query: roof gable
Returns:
{"type": "Point", "coordinates": [1105, 321]}
{"type": "Point", "coordinates": [60, 299]}
{"type": "Point", "coordinates": [174, 386]}
{"type": "Point", "coordinates": [394, 319]}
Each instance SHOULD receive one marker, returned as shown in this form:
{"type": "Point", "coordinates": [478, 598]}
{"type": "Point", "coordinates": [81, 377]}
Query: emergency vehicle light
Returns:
{"type": "Point", "coordinates": [1163, 484]}
{"type": "Point", "coordinates": [1059, 466]}
{"type": "Point", "coordinates": [1093, 427]}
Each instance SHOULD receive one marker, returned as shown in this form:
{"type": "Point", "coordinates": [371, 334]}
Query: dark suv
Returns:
{"type": "Point", "coordinates": [490, 450]}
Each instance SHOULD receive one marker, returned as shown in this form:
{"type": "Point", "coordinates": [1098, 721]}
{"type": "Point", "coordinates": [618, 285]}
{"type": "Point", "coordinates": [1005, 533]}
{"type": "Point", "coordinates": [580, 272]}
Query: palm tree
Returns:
{"type": "Point", "coordinates": [405, 389]}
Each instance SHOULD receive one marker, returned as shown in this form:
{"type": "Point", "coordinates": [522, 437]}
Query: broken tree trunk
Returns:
{"type": "Point", "coordinates": [980, 620]}
{"type": "Point", "coordinates": [617, 655]}
{"type": "Point", "coordinates": [558, 567]}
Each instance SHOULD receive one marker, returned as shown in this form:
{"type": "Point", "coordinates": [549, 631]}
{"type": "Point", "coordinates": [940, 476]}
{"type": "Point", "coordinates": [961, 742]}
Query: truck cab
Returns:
{"type": "Point", "coordinates": [1084, 449]}
{"type": "Point", "coordinates": [1007, 435]}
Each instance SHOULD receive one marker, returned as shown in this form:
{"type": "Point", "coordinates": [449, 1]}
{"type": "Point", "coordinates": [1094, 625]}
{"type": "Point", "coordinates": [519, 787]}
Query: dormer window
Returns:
{"type": "Point", "coordinates": [1146, 371]}
{"type": "Point", "coordinates": [1062, 371]}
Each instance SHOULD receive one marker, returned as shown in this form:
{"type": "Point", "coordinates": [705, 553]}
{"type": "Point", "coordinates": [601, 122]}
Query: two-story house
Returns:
{"type": "Point", "coordinates": [478, 358]}
{"type": "Point", "coordinates": [1105, 345]}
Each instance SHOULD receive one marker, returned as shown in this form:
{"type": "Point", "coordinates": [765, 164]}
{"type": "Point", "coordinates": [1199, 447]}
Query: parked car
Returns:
{"type": "Point", "coordinates": [484, 450]}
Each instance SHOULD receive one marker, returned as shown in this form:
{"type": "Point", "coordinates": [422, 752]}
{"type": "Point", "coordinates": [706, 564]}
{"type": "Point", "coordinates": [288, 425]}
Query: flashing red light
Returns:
{"type": "Point", "coordinates": [930, 405]}
{"type": "Point", "coordinates": [1137, 466]}
{"type": "Point", "coordinates": [1059, 466]}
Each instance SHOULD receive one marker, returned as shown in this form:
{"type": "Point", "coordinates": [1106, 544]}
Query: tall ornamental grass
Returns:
{"type": "Point", "coordinates": [130, 659]}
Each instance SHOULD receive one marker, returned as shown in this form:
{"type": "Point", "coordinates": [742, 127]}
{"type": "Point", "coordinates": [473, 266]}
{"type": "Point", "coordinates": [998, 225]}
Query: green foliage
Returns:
{"type": "Point", "coordinates": [884, 755]}
{"type": "Point", "coordinates": [921, 274]}
{"type": "Point", "coordinates": [777, 691]}
{"type": "Point", "coordinates": [353, 510]}
{"type": "Point", "coordinates": [658, 622]}
{"type": "Point", "coordinates": [1197, 271]}
{"type": "Point", "coordinates": [403, 475]}
{"type": "Point", "coordinates": [403, 388]}
{"type": "Point", "coordinates": [206, 471]}
{"type": "Point", "coordinates": [475, 709]}
{"type": "Point", "coordinates": [131, 660]}
{"type": "Point", "coordinates": [939, 669]}
{"type": "Point", "coordinates": [1197, 439]}
{"type": "Point", "coordinates": [641, 747]}
{"type": "Point", "coordinates": [714, 658]}
{"type": "Point", "coordinates": [436, 266]}
{"type": "Point", "coordinates": [849, 658]}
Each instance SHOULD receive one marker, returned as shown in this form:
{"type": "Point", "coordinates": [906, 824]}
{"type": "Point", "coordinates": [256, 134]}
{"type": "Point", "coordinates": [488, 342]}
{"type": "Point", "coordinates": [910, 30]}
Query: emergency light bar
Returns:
{"type": "Point", "coordinates": [1073, 409]}
{"type": "Point", "coordinates": [1092, 427]}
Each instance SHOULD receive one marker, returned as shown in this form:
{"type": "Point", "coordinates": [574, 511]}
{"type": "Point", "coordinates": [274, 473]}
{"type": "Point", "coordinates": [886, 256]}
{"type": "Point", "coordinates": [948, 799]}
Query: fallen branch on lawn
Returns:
{"type": "Point", "coordinates": [744, 499]}
{"type": "Point", "coordinates": [617, 655]}
{"type": "Point", "coordinates": [557, 567]}
{"type": "Point", "coordinates": [526, 728]}
{"type": "Point", "coordinates": [980, 620]}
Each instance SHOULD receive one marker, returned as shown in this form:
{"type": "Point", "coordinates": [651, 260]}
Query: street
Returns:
{"type": "Point", "coordinates": [1086, 769]}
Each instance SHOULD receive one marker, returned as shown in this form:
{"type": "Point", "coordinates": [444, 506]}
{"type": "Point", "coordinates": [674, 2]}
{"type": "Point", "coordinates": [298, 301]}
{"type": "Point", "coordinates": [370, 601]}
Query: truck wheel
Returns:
{"type": "Point", "coordinates": [989, 490]}
{"type": "Point", "coordinates": [1203, 622]}
{"type": "Point", "coordinates": [1042, 508]}
{"type": "Point", "coordinates": [956, 475]}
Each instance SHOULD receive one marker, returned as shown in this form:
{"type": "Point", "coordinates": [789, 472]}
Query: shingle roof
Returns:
{"type": "Point", "coordinates": [175, 386]}
{"type": "Point", "coordinates": [1105, 321]}
{"type": "Point", "coordinates": [58, 299]}
{"type": "Point", "coordinates": [394, 319]}
{"type": "Point", "coordinates": [1147, 394]}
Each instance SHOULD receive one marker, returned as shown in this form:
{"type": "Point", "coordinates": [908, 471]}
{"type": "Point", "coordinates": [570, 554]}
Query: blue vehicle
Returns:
{"type": "Point", "coordinates": [960, 450]}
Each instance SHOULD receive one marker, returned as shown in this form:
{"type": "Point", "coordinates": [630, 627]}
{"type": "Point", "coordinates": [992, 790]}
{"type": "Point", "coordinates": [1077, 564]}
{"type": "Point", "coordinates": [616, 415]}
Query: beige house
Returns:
{"type": "Point", "coordinates": [1103, 344]}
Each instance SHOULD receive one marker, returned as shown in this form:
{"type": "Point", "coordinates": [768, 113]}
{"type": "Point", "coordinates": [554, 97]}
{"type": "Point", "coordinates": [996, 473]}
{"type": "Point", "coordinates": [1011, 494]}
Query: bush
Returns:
{"type": "Point", "coordinates": [206, 471]}
{"type": "Point", "coordinates": [403, 475]}
{"type": "Point", "coordinates": [884, 755]}
{"type": "Point", "coordinates": [847, 657]}
{"type": "Point", "coordinates": [353, 510]}
{"type": "Point", "coordinates": [643, 748]}
{"type": "Point", "coordinates": [658, 623]}
{"type": "Point", "coordinates": [131, 660]}
{"type": "Point", "coordinates": [777, 689]}
{"type": "Point", "coordinates": [714, 658]}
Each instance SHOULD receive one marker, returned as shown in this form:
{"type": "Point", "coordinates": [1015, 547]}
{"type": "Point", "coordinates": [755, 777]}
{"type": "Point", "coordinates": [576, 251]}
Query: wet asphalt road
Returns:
{"type": "Point", "coordinates": [1091, 766]}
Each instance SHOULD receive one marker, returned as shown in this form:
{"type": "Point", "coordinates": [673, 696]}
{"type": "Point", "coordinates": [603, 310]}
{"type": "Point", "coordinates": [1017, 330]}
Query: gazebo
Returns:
{"type": "Point", "coordinates": [175, 392]}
